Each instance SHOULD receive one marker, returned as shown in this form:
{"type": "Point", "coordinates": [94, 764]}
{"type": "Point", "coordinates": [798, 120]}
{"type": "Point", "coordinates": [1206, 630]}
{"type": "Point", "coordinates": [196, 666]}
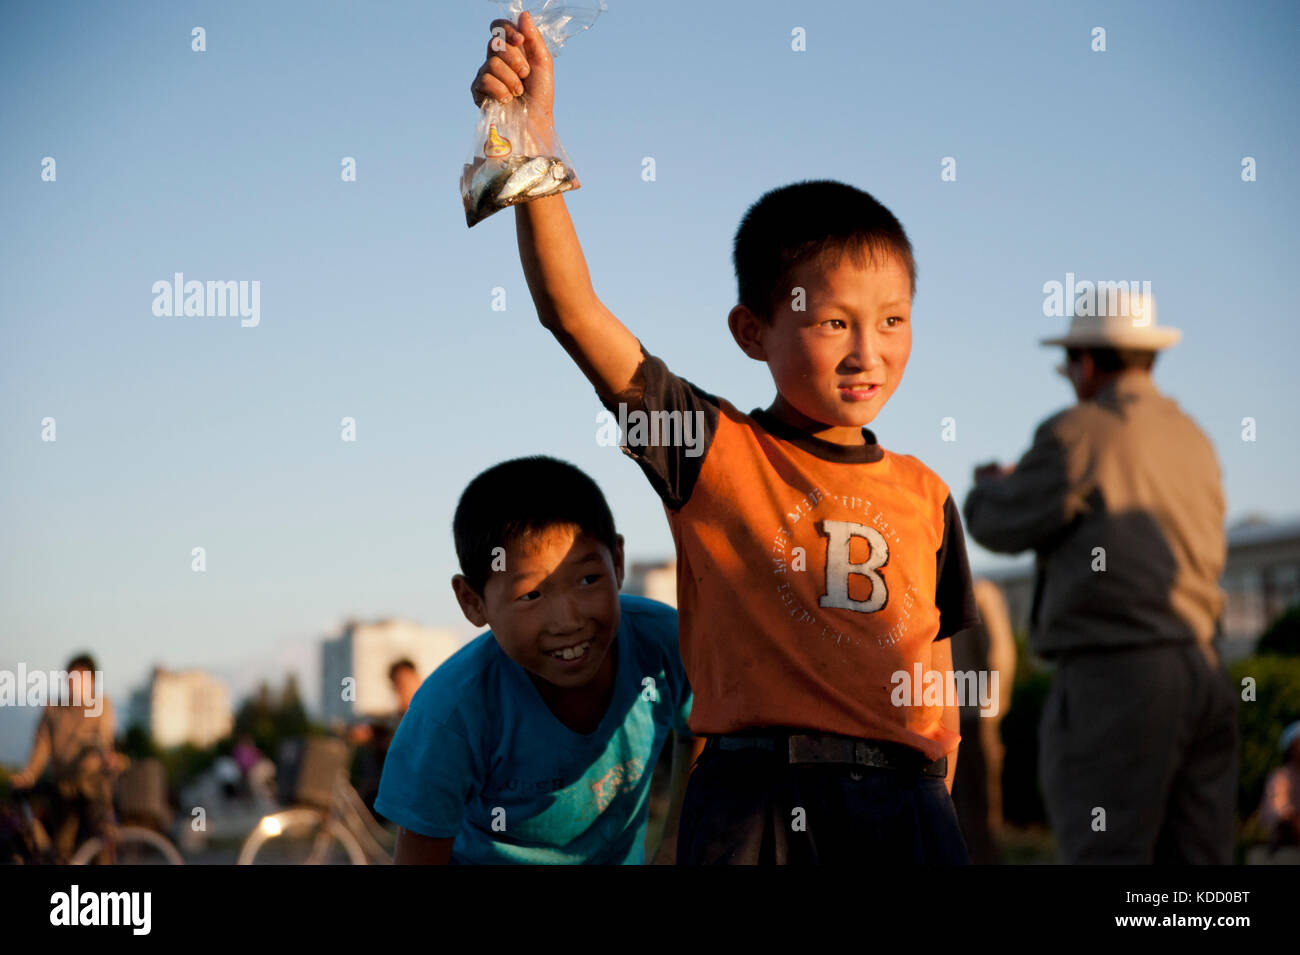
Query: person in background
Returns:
{"type": "Point", "coordinates": [373, 737]}
{"type": "Point", "coordinates": [249, 771]}
{"type": "Point", "coordinates": [246, 754]}
{"type": "Point", "coordinates": [1279, 810]}
{"type": "Point", "coordinates": [405, 682]}
{"type": "Point", "coordinates": [1121, 499]}
{"type": "Point", "coordinates": [75, 743]}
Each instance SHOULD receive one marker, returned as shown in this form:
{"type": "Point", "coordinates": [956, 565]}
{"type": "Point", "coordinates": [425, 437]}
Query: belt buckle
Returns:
{"type": "Point", "coordinates": [803, 748]}
{"type": "Point", "coordinates": [865, 754]}
{"type": "Point", "coordinates": [938, 769]}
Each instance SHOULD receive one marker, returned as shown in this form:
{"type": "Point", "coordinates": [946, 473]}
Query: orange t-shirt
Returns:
{"type": "Point", "coordinates": [809, 574]}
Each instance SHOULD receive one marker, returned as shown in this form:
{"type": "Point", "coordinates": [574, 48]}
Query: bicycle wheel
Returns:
{"type": "Point", "coordinates": [135, 845]}
{"type": "Point", "coordinates": [300, 837]}
{"type": "Point", "coordinates": [375, 841]}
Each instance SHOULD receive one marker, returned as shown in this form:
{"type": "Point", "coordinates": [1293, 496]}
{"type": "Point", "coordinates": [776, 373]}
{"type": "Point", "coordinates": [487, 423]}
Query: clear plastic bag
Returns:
{"type": "Point", "coordinates": [515, 156]}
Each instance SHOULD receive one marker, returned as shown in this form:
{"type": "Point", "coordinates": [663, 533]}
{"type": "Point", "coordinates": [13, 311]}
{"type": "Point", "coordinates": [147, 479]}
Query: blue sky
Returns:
{"type": "Point", "coordinates": [376, 299]}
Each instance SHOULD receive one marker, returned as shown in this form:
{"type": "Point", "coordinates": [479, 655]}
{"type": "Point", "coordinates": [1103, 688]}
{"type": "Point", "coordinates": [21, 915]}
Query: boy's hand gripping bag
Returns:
{"type": "Point", "coordinates": [516, 156]}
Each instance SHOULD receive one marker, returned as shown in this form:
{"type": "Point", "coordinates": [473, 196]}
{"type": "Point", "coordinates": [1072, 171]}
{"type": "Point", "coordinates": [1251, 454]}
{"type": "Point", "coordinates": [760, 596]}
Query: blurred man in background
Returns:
{"type": "Point", "coordinates": [1279, 809]}
{"type": "Point", "coordinates": [1121, 500]}
{"type": "Point", "coordinates": [74, 741]}
{"type": "Point", "coordinates": [373, 737]}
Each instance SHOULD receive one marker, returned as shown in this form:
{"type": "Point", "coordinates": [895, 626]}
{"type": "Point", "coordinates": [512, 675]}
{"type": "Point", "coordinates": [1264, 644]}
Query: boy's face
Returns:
{"type": "Point", "coordinates": [839, 359]}
{"type": "Point", "coordinates": [554, 608]}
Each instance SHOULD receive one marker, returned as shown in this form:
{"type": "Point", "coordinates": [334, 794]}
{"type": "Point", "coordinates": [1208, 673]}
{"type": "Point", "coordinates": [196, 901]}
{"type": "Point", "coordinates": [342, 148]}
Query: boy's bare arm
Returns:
{"type": "Point", "coordinates": [518, 64]}
{"type": "Point", "coordinates": [686, 750]}
{"type": "Point", "coordinates": [415, 849]}
{"type": "Point", "coordinates": [941, 661]}
{"type": "Point", "coordinates": [601, 346]}
{"type": "Point", "coordinates": [952, 720]}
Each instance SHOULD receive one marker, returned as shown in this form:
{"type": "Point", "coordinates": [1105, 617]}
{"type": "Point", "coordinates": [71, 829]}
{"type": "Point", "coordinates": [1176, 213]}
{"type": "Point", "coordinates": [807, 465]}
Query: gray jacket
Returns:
{"type": "Point", "coordinates": [1125, 481]}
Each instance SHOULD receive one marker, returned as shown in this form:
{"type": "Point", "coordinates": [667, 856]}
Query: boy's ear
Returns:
{"type": "Point", "coordinates": [471, 604]}
{"type": "Point", "coordinates": [618, 559]}
{"type": "Point", "coordinates": [747, 330]}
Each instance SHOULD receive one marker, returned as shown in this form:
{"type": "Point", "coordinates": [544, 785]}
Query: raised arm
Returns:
{"type": "Point", "coordinates": [1030, 503]}
{"type": "Point", "coordinates": [518, 64]}
{"type": "Point", "coordinates": [606, 352]}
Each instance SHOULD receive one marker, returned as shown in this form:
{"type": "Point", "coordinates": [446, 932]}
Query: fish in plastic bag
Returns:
{"type": "Point", "coordinates": [516, 156]}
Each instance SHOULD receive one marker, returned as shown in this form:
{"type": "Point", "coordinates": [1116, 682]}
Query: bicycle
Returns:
{"type": "Point", "coordinates": [113, 844]}
{"type": "Point", "coordinates": [344, 832]}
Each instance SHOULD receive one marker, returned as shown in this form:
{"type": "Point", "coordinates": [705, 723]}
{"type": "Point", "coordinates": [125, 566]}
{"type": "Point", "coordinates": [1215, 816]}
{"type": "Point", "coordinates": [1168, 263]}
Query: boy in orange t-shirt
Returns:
{"type": "Point", "coordinates": [819, 575]}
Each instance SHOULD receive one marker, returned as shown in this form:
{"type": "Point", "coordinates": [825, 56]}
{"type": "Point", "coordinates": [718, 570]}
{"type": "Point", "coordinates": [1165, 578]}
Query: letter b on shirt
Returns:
{"type": "Point", "coordinates": [839, 537]}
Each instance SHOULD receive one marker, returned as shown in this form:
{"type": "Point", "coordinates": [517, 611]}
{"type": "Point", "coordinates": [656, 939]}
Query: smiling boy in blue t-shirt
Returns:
{"type": "Point", "coordinates": [536, 742]}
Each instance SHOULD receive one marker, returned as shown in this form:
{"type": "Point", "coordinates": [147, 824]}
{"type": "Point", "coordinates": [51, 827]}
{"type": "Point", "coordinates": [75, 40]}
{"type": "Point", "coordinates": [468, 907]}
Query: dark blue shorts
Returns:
{"type": "Point", "coordinates": [750, 807]}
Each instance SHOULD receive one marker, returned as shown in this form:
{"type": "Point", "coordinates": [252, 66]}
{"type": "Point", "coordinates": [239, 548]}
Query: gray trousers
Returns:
{"type": "Point", "coordinates": [1138, 757]}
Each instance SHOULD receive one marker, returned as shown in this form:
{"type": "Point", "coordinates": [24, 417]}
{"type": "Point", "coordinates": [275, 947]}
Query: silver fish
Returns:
{"type": "Point", "coordinates": [496, 184]}
{"type": "Point", "coordinates": [478, 188]}
{"type": "Point", "coordinates": [558, 179]}
{"type": "Point", "coordinates": [524, 178]}
{"type": "Point", "coordinates": [486, 176]}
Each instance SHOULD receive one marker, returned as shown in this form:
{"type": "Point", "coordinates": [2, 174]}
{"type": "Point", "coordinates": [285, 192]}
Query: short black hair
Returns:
{"type": "Point", "coordinates": [402, 664]}
{"type": "Point", "coordinates": [521, 497]}
{"type": "Point", "coordinates": [807, 221]}
{"type": "Point", "coordinates": [82, 661]}
{"type": "Point", "coordinates": [1116, 359]}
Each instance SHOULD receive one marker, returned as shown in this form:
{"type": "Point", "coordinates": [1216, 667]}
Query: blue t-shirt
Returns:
{"type": "Point", "coordinates": [480, 757]}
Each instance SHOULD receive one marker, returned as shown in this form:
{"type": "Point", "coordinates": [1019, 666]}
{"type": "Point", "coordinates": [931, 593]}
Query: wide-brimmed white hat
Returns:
{"type": "Point", "coordinates": [1127, 322]}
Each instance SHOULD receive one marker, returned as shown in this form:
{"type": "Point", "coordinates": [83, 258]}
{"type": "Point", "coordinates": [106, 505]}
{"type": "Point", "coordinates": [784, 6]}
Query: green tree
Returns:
{"type": "Point", "coordinates": [1282, 638]}
{"type": "Point", "coordinates": [1276, 691]}
{"type": "Point", "coordinates": [256, 717]}
{"type": "Point", "coordinates": [290, 718]}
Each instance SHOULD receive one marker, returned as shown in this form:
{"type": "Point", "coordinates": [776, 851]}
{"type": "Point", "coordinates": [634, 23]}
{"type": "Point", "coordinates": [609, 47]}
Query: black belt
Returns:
{"type": "Point", "coordinates": [804, 749]}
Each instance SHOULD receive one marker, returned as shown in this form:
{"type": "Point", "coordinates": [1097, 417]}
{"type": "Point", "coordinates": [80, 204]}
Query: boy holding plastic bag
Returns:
{"type": "Point", "coordinates": [814, 566]}
{"type": "Point", "coordinates": [516, 156]}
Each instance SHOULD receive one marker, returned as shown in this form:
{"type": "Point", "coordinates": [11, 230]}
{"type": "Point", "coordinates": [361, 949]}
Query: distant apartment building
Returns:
{"type": "Point", "coordinates": [355, 665]}
{"type": "Point", "coordinates": [1260, 580]}
{"type": "Point", "coordinates": [654, 579]}
{"type": "Point", "coordinates": [175, 708]}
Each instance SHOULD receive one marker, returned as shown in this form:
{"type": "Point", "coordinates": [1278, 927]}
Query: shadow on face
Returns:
{"type": "Point", "coordinates": [553, 605]}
